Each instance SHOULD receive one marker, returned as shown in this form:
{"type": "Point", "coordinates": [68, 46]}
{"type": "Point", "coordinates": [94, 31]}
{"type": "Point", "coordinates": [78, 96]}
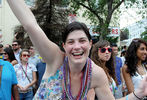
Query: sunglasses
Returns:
{"type": "Point", "coordinates": [24, 55]}
{"type": "Point", "coordinates": [103, 50]}
{"type": "Point", "coordinates": [14, 44]}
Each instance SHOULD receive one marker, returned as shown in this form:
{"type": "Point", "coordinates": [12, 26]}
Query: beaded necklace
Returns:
{"type": "Point", "coordinates": [144, 70]}
{"type": "Point", "coordinates": [85, 81]}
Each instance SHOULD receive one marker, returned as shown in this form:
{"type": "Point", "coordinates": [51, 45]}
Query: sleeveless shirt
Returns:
{"type": "Point", "coordinates": [51, 88]}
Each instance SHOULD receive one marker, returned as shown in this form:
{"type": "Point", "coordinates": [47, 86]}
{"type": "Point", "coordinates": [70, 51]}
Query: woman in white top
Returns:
{"type": "Point", "coordinates": [134, 69]}
{"type": "Point", "coordinates": [77, 44]}
{"type": "Point", "coordinates": [26, 76]}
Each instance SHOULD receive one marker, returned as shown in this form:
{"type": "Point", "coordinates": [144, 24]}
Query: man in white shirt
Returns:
{"type": "Point", "coordinates": [16, 46]}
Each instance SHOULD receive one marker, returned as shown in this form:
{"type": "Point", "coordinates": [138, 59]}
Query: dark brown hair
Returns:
{"type": "Point", "coordinates": [109, 66]}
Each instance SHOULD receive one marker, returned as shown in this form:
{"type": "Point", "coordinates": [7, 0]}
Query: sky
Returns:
{"type": "Point", "coordinates": [129, 16]}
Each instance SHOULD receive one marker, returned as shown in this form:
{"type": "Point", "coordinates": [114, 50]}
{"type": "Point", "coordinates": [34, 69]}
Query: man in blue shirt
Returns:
{"type": "Point", "coordinates": [8, 81]}
{"type": "Point", "coordinates": [41, 66]}
{"type": "Point", "coordinates": [34, 58]}
{"type": "Point", "coordinates": [118, 65]}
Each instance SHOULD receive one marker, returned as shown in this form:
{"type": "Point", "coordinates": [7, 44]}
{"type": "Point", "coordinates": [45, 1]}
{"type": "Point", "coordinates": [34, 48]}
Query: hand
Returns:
{"type": "Point", "coordinates": [21, 88]}
{"type": "Point", "coordinates": [26, 88]}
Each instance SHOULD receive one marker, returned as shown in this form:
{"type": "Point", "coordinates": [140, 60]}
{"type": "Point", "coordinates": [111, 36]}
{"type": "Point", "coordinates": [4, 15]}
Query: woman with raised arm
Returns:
{"type": "Point", "coordinates": [70, 74]}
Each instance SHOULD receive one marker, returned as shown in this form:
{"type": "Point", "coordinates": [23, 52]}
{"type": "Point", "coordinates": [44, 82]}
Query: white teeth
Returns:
{"type": "Point", "coordinates": [75, 54]}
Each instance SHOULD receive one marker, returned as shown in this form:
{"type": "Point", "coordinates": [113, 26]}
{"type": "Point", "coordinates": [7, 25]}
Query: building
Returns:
{"type": "Point", "coordinates": [8, 22]}
{"type": "Point", "coordinates": [135, 30]}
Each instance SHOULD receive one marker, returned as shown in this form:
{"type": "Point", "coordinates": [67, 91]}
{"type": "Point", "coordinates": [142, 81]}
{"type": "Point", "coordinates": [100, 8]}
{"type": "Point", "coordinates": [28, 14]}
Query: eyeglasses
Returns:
{"type": "Point", "coordinates": [103, 50]}
{"type": "Point", "coordinates": [14, 44]}
{"type": "Point", "coordinates": [25, 55]}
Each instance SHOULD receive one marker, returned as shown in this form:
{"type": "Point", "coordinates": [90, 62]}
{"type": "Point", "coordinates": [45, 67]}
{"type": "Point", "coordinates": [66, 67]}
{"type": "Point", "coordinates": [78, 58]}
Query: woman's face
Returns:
{"type": "Point", "coordinates": [25, 56]}
{"type": "Point", "coordinates": [77, 46]}
{"type": "Point", "coordinates": [104, 53]}
{"type": "Point", "coordinates": [142, 52]}
{"type": "Point", "coordinates": [6, 57]}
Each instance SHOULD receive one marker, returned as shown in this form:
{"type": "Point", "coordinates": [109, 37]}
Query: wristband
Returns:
{"type": "Point", "coordinates": [137, 96]}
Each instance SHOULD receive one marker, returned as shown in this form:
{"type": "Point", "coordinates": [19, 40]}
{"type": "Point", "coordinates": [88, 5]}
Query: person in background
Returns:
{"type": "Point", "coordinates": [1, 48]}
{"type": "Point", "coordinates": [34, 58]}
{"type": "Point", "coordinates": [134, 69]}
{"type": "Point", "coordinates": [9, 56]}
{"type": "Point", "coordinates": [66, 69]}
{"type": "Point", "coordinates": [102, 55]}
{"type": "Point", "coordinates": [8, 46]}
{"type": "Point", "coordinates": [124, 48]}
{"type": "Point", "coordinates": [1, 51]}
{"type": "Point", "coordinates": [16, 46]}
{"type": "Point", "coordinates": [118, 70]}
{"type": "Point", "coordinates": [122, 56]}
{"type": "Point", "coordinates": [26, 76]}
{"type": "Point", "coordinates": [41, 66]}
{"type": "Point", "coordinates": [8, 81]}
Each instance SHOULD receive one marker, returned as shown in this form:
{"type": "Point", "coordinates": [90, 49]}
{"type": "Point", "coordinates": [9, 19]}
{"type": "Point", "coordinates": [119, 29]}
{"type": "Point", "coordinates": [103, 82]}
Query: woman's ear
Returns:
{"type": "Point", "coordinates": [63, 45]}
{"type": "Point", "coordinates": [90, 43]}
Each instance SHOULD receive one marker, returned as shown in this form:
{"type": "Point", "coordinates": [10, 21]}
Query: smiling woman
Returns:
{"type": "Point", "coordinates": [8, 55]}
{"type": "Point", "coordinates": [70, 74]}
{"type": "Point", "coordinates": [135, 67]}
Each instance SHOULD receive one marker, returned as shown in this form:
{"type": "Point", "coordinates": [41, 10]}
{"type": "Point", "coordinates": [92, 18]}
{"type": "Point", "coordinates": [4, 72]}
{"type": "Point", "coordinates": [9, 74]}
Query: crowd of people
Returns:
{"type": "Point", "coordinates": [72, 74]}
{"type": "Point", "coordinates": [19, 74]}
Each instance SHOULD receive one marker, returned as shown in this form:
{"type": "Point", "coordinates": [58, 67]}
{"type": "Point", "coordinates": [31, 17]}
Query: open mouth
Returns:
{"type": "Point", "coordinates": [78, 53]}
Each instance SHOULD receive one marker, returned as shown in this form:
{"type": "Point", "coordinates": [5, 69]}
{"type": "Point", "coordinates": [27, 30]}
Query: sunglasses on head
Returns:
{"type": "Point", "coordinates": [25, 55]}
{"type": "Point", "coordinates": [103, 50]}
{"type": "Point", "coordinates": [14, 44]}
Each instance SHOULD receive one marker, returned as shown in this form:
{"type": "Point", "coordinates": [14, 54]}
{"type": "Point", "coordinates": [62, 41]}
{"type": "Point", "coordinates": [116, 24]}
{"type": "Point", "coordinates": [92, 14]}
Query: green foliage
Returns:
{"type": "Point", "coordinates": [141, 5]}
{"type": "Point", "coordinates": [144, 35]}
{"type": "Point", "coordinates": [100, 12]}
{"type": "Point", "coordinates": [110, 39]}
{"type": "Point", "coordinates": [50, 17]}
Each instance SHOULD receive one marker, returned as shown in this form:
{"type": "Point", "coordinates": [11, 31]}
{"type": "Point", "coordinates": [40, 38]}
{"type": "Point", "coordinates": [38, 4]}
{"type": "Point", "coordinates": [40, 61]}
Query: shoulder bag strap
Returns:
{"type": "Point", "coordinates": [25, 74]}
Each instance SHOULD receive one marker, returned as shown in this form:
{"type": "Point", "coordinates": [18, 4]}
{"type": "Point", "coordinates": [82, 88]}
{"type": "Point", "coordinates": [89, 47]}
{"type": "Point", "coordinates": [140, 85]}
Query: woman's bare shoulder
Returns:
{"type": "Point", "coordinates": [97, 70]}
{"type": "Point", "coordinates": [98, 76]}
{"type": "Point", "coordinates": [124, 68]}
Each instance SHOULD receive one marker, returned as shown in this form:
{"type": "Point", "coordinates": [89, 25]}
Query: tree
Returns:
{"type": "Point", "coordinates": [51, 18]}
{"type": "Point", "coordinates": [99, 12]}
{"type": "Point", "coordinates": [144, 35]}
{"type": "Point", "coordinates": [124, 34]}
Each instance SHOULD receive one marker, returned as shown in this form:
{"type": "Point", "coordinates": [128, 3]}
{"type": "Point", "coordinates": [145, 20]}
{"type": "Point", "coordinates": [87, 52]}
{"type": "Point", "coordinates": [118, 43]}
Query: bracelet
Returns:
{"type": "Point", "coordinates": [136, 96]}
